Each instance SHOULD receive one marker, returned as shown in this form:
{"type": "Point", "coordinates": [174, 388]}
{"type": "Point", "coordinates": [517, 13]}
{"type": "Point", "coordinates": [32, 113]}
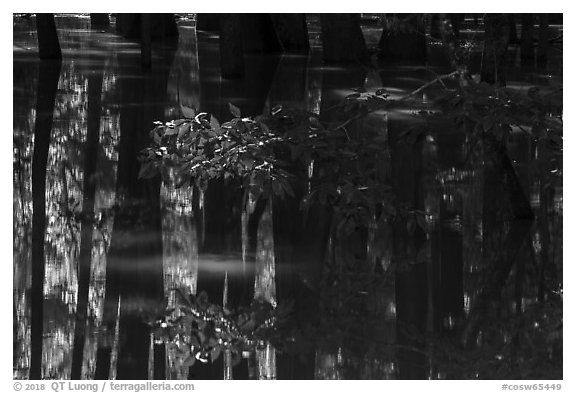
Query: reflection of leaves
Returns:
{"type": "Point", "coordinates": [208, 329]}
{"type": "Point", "coordinates": [534, 353]}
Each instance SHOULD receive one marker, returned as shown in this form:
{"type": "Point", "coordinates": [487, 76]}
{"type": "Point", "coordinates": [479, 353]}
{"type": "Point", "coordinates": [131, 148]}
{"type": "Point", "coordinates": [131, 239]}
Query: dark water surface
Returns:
{"type": "Point", "coordinates": [388, 303]}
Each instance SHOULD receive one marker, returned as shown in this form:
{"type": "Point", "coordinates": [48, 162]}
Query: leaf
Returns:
{"type": "Point", "coordinates": [264, 128]}
{"type": "Point", "coordinates": [187, 112]}
{"type": "Point", "coordinates": [214, 122]}
{"type": "Point", "coordinates": [171, 131]}
{"type": "Point", "coordinates": [215, 353]}
{"type": "Point", "coordinates": [205, 123]}
{"type": "Point", "coordinates": [234, 110]}
{"type": "Point", "coordinates": [182, 129]}
{"type": "Point", "coordinates": [194, 341]}
{"type": "Point", "coordinates": [200, 116]}
{"type": "Point", "coordinates": [202, 357]}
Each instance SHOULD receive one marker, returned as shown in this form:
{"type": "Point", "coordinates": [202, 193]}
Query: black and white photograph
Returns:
{"type": "Point", "coordinates": [286, 196]}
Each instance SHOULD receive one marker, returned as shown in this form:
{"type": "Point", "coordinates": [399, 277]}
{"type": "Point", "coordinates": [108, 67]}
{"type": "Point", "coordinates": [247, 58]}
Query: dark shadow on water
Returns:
{"type": "Point", "coordinates": [49, 73]}
{"type": "Point", "coordinates": [138, 214]}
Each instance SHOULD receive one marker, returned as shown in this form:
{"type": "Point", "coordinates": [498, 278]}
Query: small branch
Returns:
{"type": "Point", "coordinates": [425, 86]}
{"type": "Point", "coordinates": [438, 76]}
{"type": "Point", "coordinates": [343, 125]}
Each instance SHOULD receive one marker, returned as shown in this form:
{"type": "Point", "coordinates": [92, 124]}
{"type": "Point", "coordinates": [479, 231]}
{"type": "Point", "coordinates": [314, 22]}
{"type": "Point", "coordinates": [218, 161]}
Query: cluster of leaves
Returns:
{"type": "Point", "coordinates": [197, 329]}
{"type": "Point", "coordinates": [481, 109]}
{"type": "Point", "coordinates": [268, 154]}
{"type": "Point", "coordinates": [199, 150]}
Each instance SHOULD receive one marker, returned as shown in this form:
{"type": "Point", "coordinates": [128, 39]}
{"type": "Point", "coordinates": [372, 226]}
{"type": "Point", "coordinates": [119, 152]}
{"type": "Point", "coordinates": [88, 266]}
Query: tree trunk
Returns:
{"type": "Point", "coordinates": [209, 76]}
{"type": "Point", "coordinates": [250, 93]}
{"type": "Point", "coordinates": [259, 35]}
{"type": "Point", "coordinates": [513, 32]}
{"type": "Point", "coordinates": [543, 37]}
{"type": "Point", "coordinates": [49, 74]}
{"type": "Point", "coordinates": [526, 40]}
{"type": "Point", "coordinates": [99, 20]}
{"type": "Point", "coordinates": [89, 191]}
{"type": "Point", "coordinates": [231, 49]}
{"type": "Point", "coordinates": [289, 84]}
{"type": "Point", "coordinates": [292, 31]}
{"type": "Point", "coordinates": [168, 26]}
{"type": "Point", "coordinates": [48, 44]}
{"type": "Point", "coordinates": [411, 283]}
{"type": "Point", "coordinates": [342, 39]}
{"type": "Point", "coordinates": [208, 22]}
{"type": "Point", "coordinates": [160, 25]}
{"type": "Point", "coordinates": [406, 41]}
{"type": "Point", "coordinates": [435, 26]}
{"type": "Point", "coordinates": [449, 241]}
{"type": "Point", "coordinates": [128, 25]}
{"type": "Point", "coordinates": [500, 270]}
{"type": "Point", "coordinates": [496, 36]}
{"type": "Point", "coordinates": [134, 270]}
{"type": "Point", "coordinates": [456, 21]}
{"type": "Point", "coordinates": [519, 201]}
{"type": "Point", "coordinates": [146, 41]}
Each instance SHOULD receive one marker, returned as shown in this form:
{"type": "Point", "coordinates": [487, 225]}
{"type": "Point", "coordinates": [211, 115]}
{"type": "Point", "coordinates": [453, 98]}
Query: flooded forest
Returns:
{"type": "Point", "coordinates": [287, 196]}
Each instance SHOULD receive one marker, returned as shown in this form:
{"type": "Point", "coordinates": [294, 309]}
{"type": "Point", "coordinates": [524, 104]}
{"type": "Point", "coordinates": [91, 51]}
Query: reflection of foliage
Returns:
{"type": "Point", "coordinates": [199, 330]}
{"type": "Point", "coordinates": [527, 346]}
{"type": "Point", "coordinates": [491, 115]}
{"type": "Point", "coordinates": [481, 109]}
